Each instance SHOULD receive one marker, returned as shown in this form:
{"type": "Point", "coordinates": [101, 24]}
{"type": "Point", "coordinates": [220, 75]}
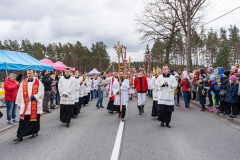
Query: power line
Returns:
{"type": "Point", "coordinates": [215, 6]}
{"type": "Point", "coordinates": [222, 15]}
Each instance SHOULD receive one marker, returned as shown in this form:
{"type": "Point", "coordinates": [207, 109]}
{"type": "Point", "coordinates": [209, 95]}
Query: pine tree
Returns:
{"type": "Point", "coordinates": [234, 41]}
{"type": "Point", "coordinates": [224, 57]}
{"type": "Point", "coordinates": [158, 53]}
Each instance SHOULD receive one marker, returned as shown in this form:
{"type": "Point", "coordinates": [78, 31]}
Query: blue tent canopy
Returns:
{"type": "Point", "coordinates": [11, 60]}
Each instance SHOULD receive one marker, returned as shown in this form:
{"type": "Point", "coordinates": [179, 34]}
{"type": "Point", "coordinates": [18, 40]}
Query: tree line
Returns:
{"type": "Point", "coordinates": [180, 39]}
{"type": "Point", "coordinates": [71, 54]}
{"type": "Point", "coordinates": [208, 48]}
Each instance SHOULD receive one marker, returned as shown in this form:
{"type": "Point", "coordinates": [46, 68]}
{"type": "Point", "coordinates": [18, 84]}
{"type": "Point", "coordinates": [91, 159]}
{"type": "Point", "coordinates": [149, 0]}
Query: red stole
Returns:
{"type": "Point", "coordinates": [33, 116]}
{"type": "Point", "coordinates": [112, 97]}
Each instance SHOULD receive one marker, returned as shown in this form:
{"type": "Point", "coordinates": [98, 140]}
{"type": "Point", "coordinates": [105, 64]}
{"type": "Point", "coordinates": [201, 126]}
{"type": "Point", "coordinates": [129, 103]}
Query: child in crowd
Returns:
{"type": "Point", "coordinates": [232, 96]}
{"type": "Point", "coordinates": [193, 88]}
{"type": "Point", "coordinates": [202, 92]}
{"type": "Point", "coordinates": [185, 83]}
{"type": "Point", "coordinates": [211, 91]}
{"type": "Point", "coordinates": [176, 92]}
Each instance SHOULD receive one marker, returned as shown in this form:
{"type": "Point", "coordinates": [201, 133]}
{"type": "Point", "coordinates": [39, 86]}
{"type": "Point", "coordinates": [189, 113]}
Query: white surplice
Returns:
{"type": "Point", "coordinates": [81, 89]}
{"type": "Point", "coordinates": [67, 86]}
{"type": "Point", "coordinates": [77, 89]}
{"type": "Point", "coordinates": [166, 94]}
{"type": "Point", "coordinates": [154, 89]}
{"type": "Point", "coordinates": [38, 97]}
{"type": "Point", "coordinates": [124, 92]}
{"type": "Point", "coordinates": [86, 87]}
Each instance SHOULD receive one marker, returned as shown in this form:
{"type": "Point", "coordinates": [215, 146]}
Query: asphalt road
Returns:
{"type": "Point", "coordinates": [194, 135]}
{"type": "Point", "coordinates": [91, 136]}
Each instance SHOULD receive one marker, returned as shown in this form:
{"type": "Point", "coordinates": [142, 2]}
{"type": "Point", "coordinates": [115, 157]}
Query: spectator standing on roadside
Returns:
{"type": "Point", "coordinates": [11, 88]}
{"type": "Point", "coordinates": [47, 82]}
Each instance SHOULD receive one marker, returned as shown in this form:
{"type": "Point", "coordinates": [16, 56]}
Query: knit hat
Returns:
{"type": "Point", "coordinates": [227, 73]}
{"type": "Point", "coordinates": [185, 76]}
{"type": "Point", "coordinates": [233, 78]}
{"type": "Point", "coordinates": [184, 72]}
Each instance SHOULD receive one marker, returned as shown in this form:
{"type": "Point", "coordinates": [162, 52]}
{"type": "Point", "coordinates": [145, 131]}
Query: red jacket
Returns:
{"type": "Point", "coordinates": [211, 86]}
{"type": "Point", "coordinates": [141, 86]}
{"type": "Point", "coordinates": [196, 77]}
{"type": "Point", "coordinates": [11, 89]}
{"type": "Point", "coordinates": [184, 85]}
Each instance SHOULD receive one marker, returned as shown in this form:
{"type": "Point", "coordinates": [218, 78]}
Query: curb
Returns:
{"type": "Point", "coordinates": [16, 124]}
{"type": "Point", "coordinates": [219, 116]}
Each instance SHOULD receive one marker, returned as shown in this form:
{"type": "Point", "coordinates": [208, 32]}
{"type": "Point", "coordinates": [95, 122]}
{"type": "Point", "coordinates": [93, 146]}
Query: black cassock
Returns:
{"type": "Point", "coordinates": [85, 100]}
{"type": "Point", "coordinates": [111, 106]}
{"type": "Point", "coordinates": [66, 112]}
{"type": "Point", "coordinates": [165, 113]}
{"type": "Point", "coordinates": [76, 109]}
{"type": "Point", "coordinates": [27, 127]}
{"type": "Point", "coordinates": [154, 109]}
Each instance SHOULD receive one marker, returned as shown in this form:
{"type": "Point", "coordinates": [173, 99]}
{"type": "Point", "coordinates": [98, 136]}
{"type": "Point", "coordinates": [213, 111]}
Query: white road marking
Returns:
{"type": "Point", "coordinates": [117, 145]}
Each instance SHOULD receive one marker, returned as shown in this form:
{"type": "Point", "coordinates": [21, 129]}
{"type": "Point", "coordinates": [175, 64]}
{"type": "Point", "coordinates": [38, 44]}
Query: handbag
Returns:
{"type": "Point", "coordinates": [222, 92]}
{"type": "Point", "coordinates": [1, 114]}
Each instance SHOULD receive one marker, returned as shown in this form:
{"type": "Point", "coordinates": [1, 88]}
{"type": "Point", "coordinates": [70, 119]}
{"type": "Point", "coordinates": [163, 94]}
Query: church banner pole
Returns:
{"type": "Point", "coordinates": [120, 95]}
{"type": "Point", "coordinates": [121, 52]}
{"type": "Point", "coordinates": [148, 59]}
{"type": "Point", "coordinates": [118, 49]}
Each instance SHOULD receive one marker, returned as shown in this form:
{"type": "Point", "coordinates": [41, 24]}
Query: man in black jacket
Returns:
{"type": "Point", "coordinates": [47, 82]}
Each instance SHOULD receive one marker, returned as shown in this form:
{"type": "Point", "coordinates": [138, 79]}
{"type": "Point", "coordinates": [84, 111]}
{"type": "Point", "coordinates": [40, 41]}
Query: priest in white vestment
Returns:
{"type": "Point", "coordinates": [29, 100]}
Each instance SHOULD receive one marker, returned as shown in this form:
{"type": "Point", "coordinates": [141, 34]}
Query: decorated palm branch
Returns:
{"type": "Point", "coordinates": [237, 67]}
{"type": "Point", "coordinates": [149, 57]}
{"type": "Point", "coordinates": [121, 52]}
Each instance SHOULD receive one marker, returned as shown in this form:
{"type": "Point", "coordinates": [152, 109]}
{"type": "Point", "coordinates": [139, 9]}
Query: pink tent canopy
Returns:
{"type": "Point", "coordinates": [61, 64]}
{"type": "Point", "coordinates": [47, 61]}
{"type": "Point", "coordinates": [55, 66]}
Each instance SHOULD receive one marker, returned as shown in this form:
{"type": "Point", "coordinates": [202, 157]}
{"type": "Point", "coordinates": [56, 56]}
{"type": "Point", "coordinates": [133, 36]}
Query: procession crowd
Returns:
{"type": "Point", "coordinates": [32, 95]}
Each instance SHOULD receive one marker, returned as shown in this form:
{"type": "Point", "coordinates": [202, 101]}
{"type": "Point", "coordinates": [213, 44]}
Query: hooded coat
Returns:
{"type": "Point", "coordinates": [232, 93]}
{"type": "Point", "coordinates": [220, 74]}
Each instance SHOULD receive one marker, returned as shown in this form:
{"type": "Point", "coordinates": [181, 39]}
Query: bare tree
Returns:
{"type": "Point", "coordinates": [159, 21]}
{"type": "Point", "coordinates": [186, 13]}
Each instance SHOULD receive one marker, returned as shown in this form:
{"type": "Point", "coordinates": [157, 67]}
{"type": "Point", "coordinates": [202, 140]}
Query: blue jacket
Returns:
{"type": "Point", "coordinates": [232, 93]}
{"type": "Point", "coordinates": [220, 74]}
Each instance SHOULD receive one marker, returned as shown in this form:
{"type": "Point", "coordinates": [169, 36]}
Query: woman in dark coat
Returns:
{"type": "Point", "coordinates": [224, 109]}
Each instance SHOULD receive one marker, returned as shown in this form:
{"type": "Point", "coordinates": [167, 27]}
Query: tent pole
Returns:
{"type": "Point", "coordinates": [6, 73]}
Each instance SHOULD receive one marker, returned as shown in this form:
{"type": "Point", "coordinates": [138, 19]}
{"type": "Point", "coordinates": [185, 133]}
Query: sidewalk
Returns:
{"type": "Point", "coordinates": [3, 121]}
{"type": "Point", "coordinates": [214, 113]}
